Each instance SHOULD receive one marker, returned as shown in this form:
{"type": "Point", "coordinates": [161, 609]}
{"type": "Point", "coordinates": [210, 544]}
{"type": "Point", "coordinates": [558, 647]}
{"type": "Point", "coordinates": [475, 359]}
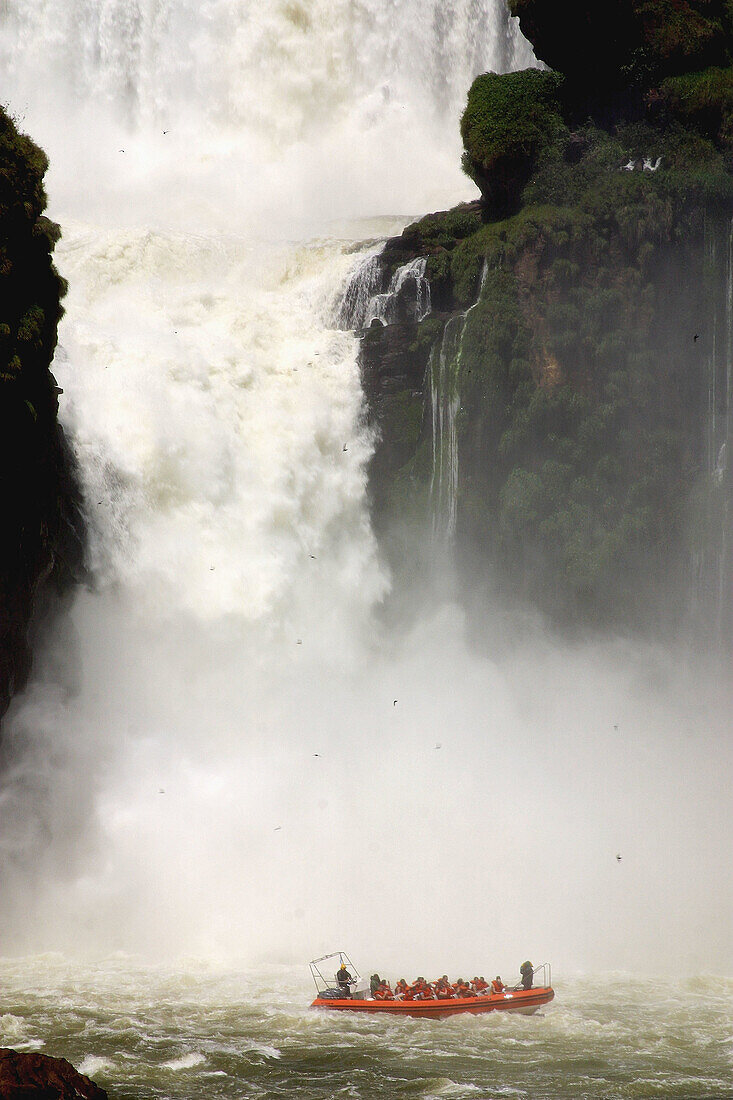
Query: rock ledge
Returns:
{"type": "Point", "coordinates": [39, 1077]}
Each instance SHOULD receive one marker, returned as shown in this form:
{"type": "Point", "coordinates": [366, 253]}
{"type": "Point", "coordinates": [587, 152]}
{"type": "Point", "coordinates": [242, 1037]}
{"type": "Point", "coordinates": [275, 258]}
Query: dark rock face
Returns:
{"type": "Point", "coordinates": [41, 530]}
{"type": "Point", "coordinates": [38, 1077]}
{"type": "Point", "coordinates": [572, 431]}
{"type": "Point", "coordinates": [627, 42]}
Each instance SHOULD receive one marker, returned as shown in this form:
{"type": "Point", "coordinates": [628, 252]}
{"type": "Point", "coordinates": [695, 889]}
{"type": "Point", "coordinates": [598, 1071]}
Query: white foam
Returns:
{"type": "Point", "coordinates": [186, 1061]}
{"type": "Point", "coordinates": [92, 1064]}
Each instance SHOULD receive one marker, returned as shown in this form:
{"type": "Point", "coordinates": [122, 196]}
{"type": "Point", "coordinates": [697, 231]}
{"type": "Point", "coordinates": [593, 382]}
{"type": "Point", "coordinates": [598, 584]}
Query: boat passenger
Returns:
{"type": "Point", "coordinates": [481, 984]}
{"type": "Point", "coordinates": [344, 978]}
{"type": "Point", "coordinates": [497, 985]}
{"type": "Point", "coordinates": [374, 983]}
{"type": "Point", "coordinates": [526, 970]}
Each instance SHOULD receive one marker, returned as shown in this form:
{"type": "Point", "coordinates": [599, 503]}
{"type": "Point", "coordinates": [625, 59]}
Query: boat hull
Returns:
{"type": "Point", "coordinates": [524, 1001]}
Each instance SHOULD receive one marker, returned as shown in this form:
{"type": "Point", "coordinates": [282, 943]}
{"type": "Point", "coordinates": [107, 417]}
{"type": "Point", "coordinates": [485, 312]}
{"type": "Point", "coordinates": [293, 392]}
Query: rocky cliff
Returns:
{"type": "Point", "coordinates": [39, 1077]}
{"type": "Point", "coordinates": [40, 532]}
{"type": "Point", "coordinates": [559, 412]}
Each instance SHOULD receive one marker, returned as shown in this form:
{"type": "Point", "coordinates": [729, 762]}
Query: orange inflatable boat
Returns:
{"type": "Point", "coordinates": [355, 996]}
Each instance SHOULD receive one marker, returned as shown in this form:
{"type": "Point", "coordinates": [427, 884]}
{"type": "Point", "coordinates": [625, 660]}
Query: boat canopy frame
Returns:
{"type": "Point", "coordinates": [317, 967]}
{"type": "Point", "coordinates": [546, 970]}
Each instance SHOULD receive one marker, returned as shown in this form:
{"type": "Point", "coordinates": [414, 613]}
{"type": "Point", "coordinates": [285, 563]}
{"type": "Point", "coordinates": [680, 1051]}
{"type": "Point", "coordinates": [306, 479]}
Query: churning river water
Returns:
{"type": "Point", "coordinates": [198, 1031]}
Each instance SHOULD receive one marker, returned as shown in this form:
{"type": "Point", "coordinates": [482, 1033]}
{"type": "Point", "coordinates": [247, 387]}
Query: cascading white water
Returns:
{"type": "Point", "coordinates": [272, 115]}
{"type": "Point", "coordinates": [219, 751]}
{"type": "Point", "coordinates": [711, 543]}
{"type": "Point", "coordinates": [445, 403]}
{"type": "Point", "coordinates": [407, 296]}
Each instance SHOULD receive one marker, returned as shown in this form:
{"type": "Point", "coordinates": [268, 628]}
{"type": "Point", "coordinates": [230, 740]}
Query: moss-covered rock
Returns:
{"type": "Point", "coordinates": [508, 120]}
{"type": "Point", "coordinates": [701, 100]}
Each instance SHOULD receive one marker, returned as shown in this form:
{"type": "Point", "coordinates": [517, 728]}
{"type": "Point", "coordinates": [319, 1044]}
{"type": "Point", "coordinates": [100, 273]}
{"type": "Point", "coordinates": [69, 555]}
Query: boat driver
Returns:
{"type": "Point", "coordinates": [343, 978]}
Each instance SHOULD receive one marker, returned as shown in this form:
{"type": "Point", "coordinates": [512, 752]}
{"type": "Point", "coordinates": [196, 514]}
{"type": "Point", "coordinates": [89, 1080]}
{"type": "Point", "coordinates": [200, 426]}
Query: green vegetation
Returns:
{"type": "Point", "coordinates": [507, 121]}
{"type": "Point", "coordinates": [703, 100]}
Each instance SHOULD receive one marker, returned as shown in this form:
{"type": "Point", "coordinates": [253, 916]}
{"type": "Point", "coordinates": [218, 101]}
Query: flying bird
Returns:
{"type": "Point", "coordinates": [628, 167]}
{"type": "Point", "coordinates": [345, 447]}
{"type": "Point", "coordinates": [394, 703]}
{"type": "Point", "coordinates": [696, 337]}
{"type": "Point", "coordinates": [439, 746]}
{"type": "Point", "coordinates": [277, 828]}
{"type": "Point", "coordinates": [618, 858]}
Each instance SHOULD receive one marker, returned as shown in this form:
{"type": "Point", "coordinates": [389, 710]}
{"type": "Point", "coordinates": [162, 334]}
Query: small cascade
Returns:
{"type": "Point", "coordinates": [713, 556]}
{"type": "Point", "coordinates": [400, 302]}
{"type": "Point", "coordinates": [724, 466]}
{"type": "Point", "coordinates": [407, 298]}
{"type": "Point", "coordinates": [445, 400]}
{"type": "Point", "coordinates": [365, 282]}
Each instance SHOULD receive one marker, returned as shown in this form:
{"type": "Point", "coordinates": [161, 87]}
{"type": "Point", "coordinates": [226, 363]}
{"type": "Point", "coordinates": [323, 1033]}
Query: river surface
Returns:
{"type": "Point", "coordinates": [196, 1030]}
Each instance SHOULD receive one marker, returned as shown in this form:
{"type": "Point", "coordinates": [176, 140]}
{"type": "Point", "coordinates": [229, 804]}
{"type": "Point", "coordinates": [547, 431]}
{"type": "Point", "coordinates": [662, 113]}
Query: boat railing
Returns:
{"type": "Point", "coordinates": [544, 970]}
{"type": "Point", "coordinates": [330, 964]}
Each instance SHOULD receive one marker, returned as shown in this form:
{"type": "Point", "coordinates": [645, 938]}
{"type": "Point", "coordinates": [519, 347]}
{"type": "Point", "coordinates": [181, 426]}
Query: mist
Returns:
{"type": "Point", "coordinates": [225, 750]}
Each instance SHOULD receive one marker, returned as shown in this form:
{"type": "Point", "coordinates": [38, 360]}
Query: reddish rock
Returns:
{"type": "Point", "coordinates": [38, 1077]}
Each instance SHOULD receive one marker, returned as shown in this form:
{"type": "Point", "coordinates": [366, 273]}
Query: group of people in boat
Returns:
{"type": "Point", "coordinates": [440, 989]}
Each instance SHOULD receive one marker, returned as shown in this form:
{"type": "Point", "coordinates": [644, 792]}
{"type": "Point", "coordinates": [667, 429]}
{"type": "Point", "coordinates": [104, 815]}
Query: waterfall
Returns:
{"type": "Point", "coordinates": [385, 307]}
{"type": "Point", "coordinates": [215, 169]}
{"type": "Point", "coordinates": [723, 463]}
{"type": "Point", "coordinates": [713, 563]}
{"type": "Point", "coordinates": [364, 282]}
{"type": "Point", "coordinates": [444, 368]}
{"type": "Point", "coordinates": [283, 113]}
{"type": "Point", "coordinates": [445, 402]}
{"type": "Point", "coordinates": [219, 734]}
{"type": "Point", "coordinates": [407, 297]}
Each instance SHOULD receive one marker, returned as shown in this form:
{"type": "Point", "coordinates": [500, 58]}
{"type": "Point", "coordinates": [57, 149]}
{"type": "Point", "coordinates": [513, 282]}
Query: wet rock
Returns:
{"type": "Point", "coordinates": [39, 1077]}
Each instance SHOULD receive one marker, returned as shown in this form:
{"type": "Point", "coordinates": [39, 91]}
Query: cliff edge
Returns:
{"type": "Point", "coordinates": [559, 413]}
